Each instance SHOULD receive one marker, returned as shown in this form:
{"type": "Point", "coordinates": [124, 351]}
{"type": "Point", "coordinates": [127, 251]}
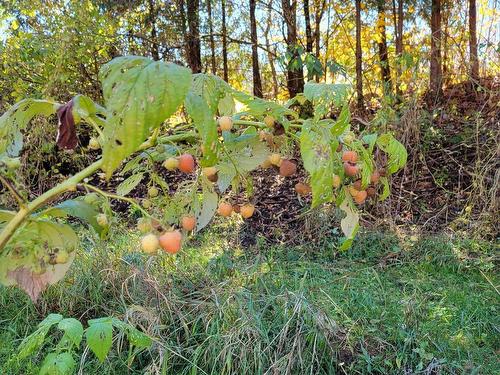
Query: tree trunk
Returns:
{"type": "Point", "coordinates": [436, 74]}
{"type": "Point", "coordinates": [257, 83]}
{"type": "Point", "coordinates": [398, 27]}
{"type": "Point", "coordinates": [224, 42]}
{"type": "Point", "coordinates": [270, 55]}
{"type": "Point", "coordinates": [359, 56]}
{"type": "Point", "coordinates": [212, 41]}
{"type": "Point", "coordinates": [474, 62]}
{"type": "Point", "coordinates": [307, 18]}
{"type": "Point", "coordinates": [320, 11]}
{"type": "Point", "coordinates": [152, 23]}
{"type": "Point", "coordinates": [382, 49]}
{"type": "Point", "coordinates": [193, 36]}
{"type": "Point", "coordinates": [295, 77]}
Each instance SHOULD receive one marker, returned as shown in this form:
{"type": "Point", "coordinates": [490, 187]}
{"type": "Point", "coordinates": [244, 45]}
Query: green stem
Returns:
{"type": "Point", "coordinates": [250, 123]}
{"type": "Point", "coordinates": [9, 230]}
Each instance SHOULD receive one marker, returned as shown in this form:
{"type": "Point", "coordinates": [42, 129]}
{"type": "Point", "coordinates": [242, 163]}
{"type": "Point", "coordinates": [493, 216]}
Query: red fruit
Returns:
{"type": "Point", "coordinates": [287, 168]}
{"type": "Point", "coordinates": [186, 163]}
{"type": "Point", "coordinates": [375, 177]}
{"type": "Point", "coordinates": [350, 156]}
{"type": "Point", "coordinates": [188, 223]}
{"type": "Point", "coordinates": [351, 169]}
{"type": "Point", "coordinates": [357, 185]}
{"type": "Point", "coordinates": [371, 191]}
{"type": "Point", "coordinates": [171, 241]}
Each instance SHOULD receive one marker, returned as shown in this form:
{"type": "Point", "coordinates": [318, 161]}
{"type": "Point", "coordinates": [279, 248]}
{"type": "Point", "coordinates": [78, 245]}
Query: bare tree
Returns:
{"type": "Point", "coordinates": [151, 19]}
{"type": "Point", "coordinates": [359, 57]}
{"type": "Point", "coordinates": [257, 83]}
{"type": "Point", "coordinates": [193, 44]}
{"type": "Point", "coordinates": [474, 62]}
{"type": "Point", "coordinates": [436, 74]}
{"type": "Point", "coordinates": [212, 41]}
{"type": "Point", "coordinates": [224, 42]}
{"type": "Point", "coordinates": [398, 17]}
{"type": "Point", "coordinates": [270, 55]}
{"type": "Point", "coordinates": [382, 48]}
{"type": "Point", "coordinates": [307, 19]}
{"type": "Point", "coordinates": [295, 75]}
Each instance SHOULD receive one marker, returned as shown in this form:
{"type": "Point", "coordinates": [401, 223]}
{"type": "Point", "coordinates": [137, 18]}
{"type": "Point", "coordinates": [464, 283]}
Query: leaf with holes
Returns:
{"type": "Point", "coordinates": [139, 94]}
{"type": "Point", "coordinates": [58, 364]}
{"type": "Point", "coordinates": [73, 330]}
{"type": "Point", "coordinates": [99, 337]}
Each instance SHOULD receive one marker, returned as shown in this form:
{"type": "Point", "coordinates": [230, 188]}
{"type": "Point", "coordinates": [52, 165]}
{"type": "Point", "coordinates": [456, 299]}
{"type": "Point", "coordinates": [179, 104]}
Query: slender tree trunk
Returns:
{"type": "Point", "coordinates": [320, 6]}
{"type": "Point", "coordinates": [445, 13]}
{"type": "Point", "coordinates": [224, 42]}
{"type": "Point", "coordinates": [359, 57]}
{"type": "Point", "coordinates": [436, 74]}
{"type": "Point", "coordinates": [270, 56]}
{"type": "Point", "coordinates": [307, 18]}
{"type": "Point", "coordinates": [474, 62]}
{"type": "Point", "coordinates": [295, 77]}
{"type": "Point", "coordinates": [257, 83]}
{"type": "Point", "coordinates": [398, 27]}
{"type": "Point", "coordinates": [212, 41]}
{"type": "Point", "coordinates": [193, 36]}
{"type": "Point", "coordinates": [152, 23]}
{"type": "Point", "coordinates": [382, 49]}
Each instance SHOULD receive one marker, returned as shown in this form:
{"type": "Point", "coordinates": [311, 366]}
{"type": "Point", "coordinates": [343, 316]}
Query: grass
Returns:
{"type": "Point", "coordinates": [387, 306]}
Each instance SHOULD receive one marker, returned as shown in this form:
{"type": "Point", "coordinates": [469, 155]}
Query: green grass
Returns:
{"type": "Point", "coordinates": [385, 306]}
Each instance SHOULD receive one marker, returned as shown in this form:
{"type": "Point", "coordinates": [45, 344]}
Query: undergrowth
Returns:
{"type": "Point", "coordinates": [388, 305]}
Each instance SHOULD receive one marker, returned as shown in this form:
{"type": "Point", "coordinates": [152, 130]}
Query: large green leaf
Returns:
{"type": "Point", "coordinates": [139, 94]}
{"type": "Point", "coordinates": [99, 337]}
{"type": "Point", "coordinates": [205, 207]}
{"type": "Point", "coordinates": [318, 161]}
{"type": "Point", "coordinates": [77, 208]}
{"type": "Point", "coordinates": [210, 88]}
{"type": "Point", "coordinates": [34, 342]}
{"type": "Point", "coordinates": [205, 125]}
{"type": "Point", "coordinates": [350, 223]}
{"type": "Point", "coordinates": [17, 119]}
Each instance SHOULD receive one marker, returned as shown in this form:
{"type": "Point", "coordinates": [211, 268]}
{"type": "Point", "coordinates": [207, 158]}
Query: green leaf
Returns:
{"type": "Point", "coordinates": [395, 150]}
{"type": "Point", "coordinates": [325, 95]}
{"type": "Point", "coordinates": [129, 184]}
{"type": "Point", "coordinates": [226, 106]}
{"type": "Point", "coordinates": [205, 125]}
{"type": "Point", "coordinates": [343, 122]}
{"type": "Point", "coordinates": [317, 158]}
{"type": "Point", "coordinates": [350, 223]}
{"type": "Point", "coordinates": [139, 94]}
{"type": "Point", "coordinates": [211, 89]}
{"type": "Point", "coordinates": [205, 207]}
{"type": "Point", "coordinates": [34, 342]}
{"type": "Point", "coordinates": [77, 208]}
{"type": "Point", "coordinates": [386, 190]}
{"type": "Point", "coordinates": [58, 364]}
{"type": "Point", "coordinates": [17, 119]}
{"type": "Point", "coordinates": [99, 337]}
{"type": "Point", "coordinates": [73, 330]}
{"type": "Point", "coordinates": [6, 216]}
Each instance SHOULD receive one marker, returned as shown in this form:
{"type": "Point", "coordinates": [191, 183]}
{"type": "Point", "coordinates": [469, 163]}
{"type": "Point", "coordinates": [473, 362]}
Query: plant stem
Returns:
{"type": "Point", "coordinates": [250, 123]}
{"type": "Point", "coordinates": [13, 191]}
{"type": "Point", "coordinates": [9, 230]}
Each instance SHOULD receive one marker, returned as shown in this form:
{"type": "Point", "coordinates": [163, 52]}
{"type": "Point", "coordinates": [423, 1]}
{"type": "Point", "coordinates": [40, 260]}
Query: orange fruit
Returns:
{"type": "Point", "coordinates": [354, 192]}
{"type": "Point", "coordinates": [171, 241]}
{"type": "Point", "coordinates": [302, 189]}
{"type": "Point", "coordinates": [188, 222]}
{"type": "Point", "coordinates": [375, 177]}
{"type": "Point", "coordinates": [247, 210]}
{"type": "Point", "coordinates": [269, 121]}
{"type": "Point", "coordinates": [350, 156]}
{"type": "Point", "coordinates": [351, 169]}
{"type": "Point", "coordinates": [360, 197]}
{"type": "Point", "coordinates": [357, 185]}
{"type": "Point", "coordinates": [186, 163]}
{"type": "Point", "coordinates": [287, 168]}
{"type": "Point", "coordinates": [266, 164]}
{"type": "Point", "coordinates": [225, 209]}
{"type": "Point", "coordinates": [209, 171]}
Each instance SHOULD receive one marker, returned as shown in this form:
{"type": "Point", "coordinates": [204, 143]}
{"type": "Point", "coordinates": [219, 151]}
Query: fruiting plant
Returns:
{"type": "Point", "coordinates": [37, 245]}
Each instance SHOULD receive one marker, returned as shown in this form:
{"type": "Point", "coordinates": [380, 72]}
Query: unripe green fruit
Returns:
{"type": "Point", "coordinates": [269, 121]}
{"type": "Point", "coordinates": [90, 198]}
{"type": "Point", "coordinates": [146, 203]}
{"type": "Point", "coordinates": [349, 137]}
{"type": "Point", "coordinates": [94, 144]}
{"type": "Point", "coordinates": [102, 220]}
{"type": "Point", "coordinates": [144, 225]}
{"type": "Point", "coordinates": [171, 164]}
{"type": "Point", "coordinates": [153, 192]}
